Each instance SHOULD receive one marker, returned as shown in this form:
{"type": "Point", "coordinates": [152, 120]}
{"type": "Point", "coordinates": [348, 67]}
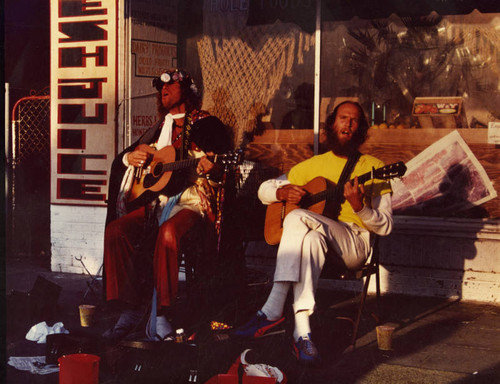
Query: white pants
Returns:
{"type": "Point", "coordinates": [306, 238]}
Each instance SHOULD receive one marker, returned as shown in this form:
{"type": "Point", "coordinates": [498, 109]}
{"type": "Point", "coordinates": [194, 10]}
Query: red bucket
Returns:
{"type": "Point", "coordinates": [79, 368]}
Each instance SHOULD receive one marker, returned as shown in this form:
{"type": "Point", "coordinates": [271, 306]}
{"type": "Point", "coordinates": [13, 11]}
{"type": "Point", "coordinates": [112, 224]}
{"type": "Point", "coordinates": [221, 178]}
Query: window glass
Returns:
{"type": "Point", "coordinates": [405, 69]}
{"type": "Point", "coordinates": [423, 82]}
{"type": "Point", "coordinates": [258, 79]}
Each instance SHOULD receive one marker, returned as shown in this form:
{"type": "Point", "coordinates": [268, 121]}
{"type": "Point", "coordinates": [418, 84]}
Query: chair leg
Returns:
{"type": "Point", "coordinates": [359, 314]}
{"type": "Point", "coordinates": [377, 283]}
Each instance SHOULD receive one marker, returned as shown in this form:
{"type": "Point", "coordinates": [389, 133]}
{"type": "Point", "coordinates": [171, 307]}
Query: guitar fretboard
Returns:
{"type": "Point", "coordinates": [389, 171]}
{"type": "Point", "coordinates": [181, 164]}
{"type": "Point", "coordinates": [335, 190]}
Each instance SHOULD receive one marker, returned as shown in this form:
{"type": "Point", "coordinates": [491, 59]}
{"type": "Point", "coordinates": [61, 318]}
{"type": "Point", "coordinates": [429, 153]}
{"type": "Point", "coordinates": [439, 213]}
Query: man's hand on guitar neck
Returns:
{"type": "Point", "coordinates": [290, 193]}
{"type": "Point", "coordinates": [204, 165]}
{"type": "Point", "coordinates": [354, 193]}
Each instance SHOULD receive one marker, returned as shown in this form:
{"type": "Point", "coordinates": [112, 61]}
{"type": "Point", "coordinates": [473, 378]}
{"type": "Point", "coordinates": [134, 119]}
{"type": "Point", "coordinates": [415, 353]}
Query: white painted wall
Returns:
{"type": "Point", "coordinates": [423, 257]}
{"type": "Point", "coordinates": [442, 257]}
{"type": "Point", "coordinates": [76, 231]}
{"type": "Point", "coordinates": [452, 258]}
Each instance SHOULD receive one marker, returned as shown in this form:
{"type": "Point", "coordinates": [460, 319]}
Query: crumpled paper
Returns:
{"type": "Point", "coordinates": [40, 331]}
{"type": "Point", "coordinates": [261, 370]}
{"type": "Point", "coordinates": [33, 364]}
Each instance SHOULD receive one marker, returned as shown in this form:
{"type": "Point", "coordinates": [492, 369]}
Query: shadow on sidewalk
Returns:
{"type": "Point", "coordinates": [425, 327]}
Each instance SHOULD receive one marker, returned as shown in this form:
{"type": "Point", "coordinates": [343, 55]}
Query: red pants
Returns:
{"type": "Point", "coordinates": [128, 265]}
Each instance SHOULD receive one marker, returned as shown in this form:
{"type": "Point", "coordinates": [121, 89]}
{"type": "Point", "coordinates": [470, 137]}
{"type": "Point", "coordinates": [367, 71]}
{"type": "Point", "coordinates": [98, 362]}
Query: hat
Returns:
{"type": "Point", "coordinates": [171, 75]}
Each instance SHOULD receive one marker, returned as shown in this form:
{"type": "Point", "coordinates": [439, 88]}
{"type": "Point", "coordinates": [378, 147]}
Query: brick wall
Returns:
{"type": "Point", "coordinates": [76, 231]}
{"type": "Point", "coordinates": [423, 257]}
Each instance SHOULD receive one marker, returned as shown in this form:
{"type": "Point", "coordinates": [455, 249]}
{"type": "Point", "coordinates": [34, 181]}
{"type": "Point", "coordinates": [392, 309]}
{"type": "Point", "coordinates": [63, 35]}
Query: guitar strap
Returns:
{"type": "Point", "coordinates": [186, 135]}
{"type": "Point", "coordinates": [344, 177]}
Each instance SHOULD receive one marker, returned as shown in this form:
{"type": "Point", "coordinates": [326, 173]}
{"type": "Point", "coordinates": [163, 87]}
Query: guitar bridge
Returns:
{"type": "Point", "coordinates": [282, 215]}
{"type": "Point", "coordinates": [138, 174]}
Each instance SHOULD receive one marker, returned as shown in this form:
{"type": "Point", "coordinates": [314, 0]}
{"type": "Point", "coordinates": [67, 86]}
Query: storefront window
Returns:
{"type": "Point", "coordinates": [423, 82]}
{"type": "Point", "coordinates": [417, 78]}
{"type": "Point", "coordinates": [416, 72]}
{"type": "Point", "coordinates": [258, 79]}
{"type": "Point", "coordinates": [255, 74]}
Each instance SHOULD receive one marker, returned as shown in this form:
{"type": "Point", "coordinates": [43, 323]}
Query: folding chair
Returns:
{"type": "Point", "coordinates": [203, 253]}
{"type": "Point", "coordinates": [370, 268]}
{"type": "Point", "coordinates": [191, 257]}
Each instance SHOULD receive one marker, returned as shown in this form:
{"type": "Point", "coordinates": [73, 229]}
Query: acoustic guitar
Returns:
{"type": "Point", "coordinates": [158, 169]}
{"type": "Point", "coordinates": [319, 199]}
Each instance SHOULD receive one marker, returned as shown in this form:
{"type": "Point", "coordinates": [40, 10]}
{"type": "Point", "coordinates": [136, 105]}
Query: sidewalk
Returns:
{"type": "Point", "coordinates": [436, 340]}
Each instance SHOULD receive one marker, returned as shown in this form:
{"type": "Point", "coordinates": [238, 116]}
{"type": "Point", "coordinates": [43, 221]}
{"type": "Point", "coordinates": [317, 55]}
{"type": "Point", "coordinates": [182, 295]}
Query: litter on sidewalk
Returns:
{"type": "Point", "coordinates": [40, 331]}
{"type": "Point", "coordinates": [33, 364]}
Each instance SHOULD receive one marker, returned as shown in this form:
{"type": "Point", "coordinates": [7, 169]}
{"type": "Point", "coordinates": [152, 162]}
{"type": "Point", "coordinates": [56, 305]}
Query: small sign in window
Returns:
{"type": "Point", "coordinates": [494, 132]}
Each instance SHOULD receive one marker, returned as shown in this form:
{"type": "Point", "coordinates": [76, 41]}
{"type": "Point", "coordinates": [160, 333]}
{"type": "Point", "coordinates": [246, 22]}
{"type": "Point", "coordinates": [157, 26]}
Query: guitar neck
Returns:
{"type": "Point", "coordinates": [181, 164]}
{"type": "Point", "coordinates": [331, 192]}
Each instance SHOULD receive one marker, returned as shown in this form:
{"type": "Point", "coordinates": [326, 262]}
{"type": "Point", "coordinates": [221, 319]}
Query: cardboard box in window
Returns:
{"type": "Point", "coordinates": [439, 112]}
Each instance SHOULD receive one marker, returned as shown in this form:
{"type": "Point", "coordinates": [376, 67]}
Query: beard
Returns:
{"type": "Point", "coordinates": [345, 148]}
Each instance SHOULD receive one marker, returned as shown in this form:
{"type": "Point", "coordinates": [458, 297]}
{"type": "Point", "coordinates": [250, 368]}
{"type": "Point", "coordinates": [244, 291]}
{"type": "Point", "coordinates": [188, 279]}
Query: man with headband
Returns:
{"type": "Point", "coordinates": [141, 244]}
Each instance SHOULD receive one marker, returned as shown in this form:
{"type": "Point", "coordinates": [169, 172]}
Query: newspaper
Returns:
{"type": "Point", "coordinates": [33, 364]}
{"type": "Point", "coordinates": [445, 177]}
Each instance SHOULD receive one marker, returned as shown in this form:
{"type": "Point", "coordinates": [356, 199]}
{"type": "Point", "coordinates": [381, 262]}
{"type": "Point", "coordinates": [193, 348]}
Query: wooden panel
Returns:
{"type": "Point", "coordinates": [280, 156]}
{"type": "Point", "coordinates": [424, 137]}
{"type": "Point", "coordinates": [284, 148]}
{"type": "Point", "coordinates": [285, 136]}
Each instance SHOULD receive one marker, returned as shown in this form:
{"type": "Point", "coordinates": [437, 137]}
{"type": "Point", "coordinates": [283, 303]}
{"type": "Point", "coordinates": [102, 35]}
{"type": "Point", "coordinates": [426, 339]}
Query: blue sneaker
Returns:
{"type": "Point", "coordinates": [305, 351]}
{"type": "Point", "coordinates": [257, 326]}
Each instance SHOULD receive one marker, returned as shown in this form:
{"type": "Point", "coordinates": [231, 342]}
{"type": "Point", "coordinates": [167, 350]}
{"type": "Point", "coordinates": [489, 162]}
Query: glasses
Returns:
{"type": "Point", "coordinates": [169, 78]}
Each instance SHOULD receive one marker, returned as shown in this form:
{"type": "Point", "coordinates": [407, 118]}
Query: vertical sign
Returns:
{"type": "Point", "coordinates": [83, 99]}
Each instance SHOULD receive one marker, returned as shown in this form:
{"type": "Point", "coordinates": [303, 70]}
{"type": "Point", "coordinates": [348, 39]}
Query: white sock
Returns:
{"type": "Point", "coordinates": [273, 307]}
{"type": "Point", "coordinates": [302, 326]}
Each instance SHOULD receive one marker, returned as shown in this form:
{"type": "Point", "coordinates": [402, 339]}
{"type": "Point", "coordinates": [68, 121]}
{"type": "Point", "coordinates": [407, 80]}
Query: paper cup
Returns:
{"type": "Point", "coordinates": [87, 315]}
{"type": "Point", "coordinates": [384, 337]}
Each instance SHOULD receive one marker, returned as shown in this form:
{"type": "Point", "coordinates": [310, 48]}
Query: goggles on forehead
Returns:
{"type": "Point", "coordinates": [169, 77]}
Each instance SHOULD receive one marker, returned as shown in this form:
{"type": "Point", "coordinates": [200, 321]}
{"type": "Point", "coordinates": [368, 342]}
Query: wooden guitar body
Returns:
{"type": "Point", "coordinates": [159, 171]}
{"type": "Point", "coordinates": [276, 212]}
{"type": "Point", "coordinates": [152, 176]}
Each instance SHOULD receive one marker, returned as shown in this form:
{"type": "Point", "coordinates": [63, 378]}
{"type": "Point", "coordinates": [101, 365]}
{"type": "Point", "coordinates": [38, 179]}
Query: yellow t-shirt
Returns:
{"type": "Point", "coordinates": [330, 166]}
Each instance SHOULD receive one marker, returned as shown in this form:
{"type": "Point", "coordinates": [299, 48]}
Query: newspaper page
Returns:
{"type": "Point", "coordinates": [445, 177]}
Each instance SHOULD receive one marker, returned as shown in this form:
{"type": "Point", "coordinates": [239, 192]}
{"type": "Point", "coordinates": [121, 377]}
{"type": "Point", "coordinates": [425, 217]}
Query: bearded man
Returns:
{"type": "Point", "coordinates": [142, 243]}
{"type": "Point", "coordinates": [307, 237]}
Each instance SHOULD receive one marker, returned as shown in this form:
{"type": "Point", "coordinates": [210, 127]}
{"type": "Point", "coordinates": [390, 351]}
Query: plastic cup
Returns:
{"type": "Point", "coordinates": [384, 337]}
{"type": "Point", "coordinates": [79, 368]}
{"type": "Point", "coordinates": [87, 315]}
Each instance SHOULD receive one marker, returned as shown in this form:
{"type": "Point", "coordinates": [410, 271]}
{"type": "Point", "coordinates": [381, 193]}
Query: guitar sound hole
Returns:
{"type": "Point", "coordinates": [157, 170]}
{"type": "Point", "coordinates": [149, 181]}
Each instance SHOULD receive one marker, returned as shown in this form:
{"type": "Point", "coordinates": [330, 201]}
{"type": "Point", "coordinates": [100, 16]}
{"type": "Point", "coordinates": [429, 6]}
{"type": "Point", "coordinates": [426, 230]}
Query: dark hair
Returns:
{"type": "Point", "coordinates": [361, 133]}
